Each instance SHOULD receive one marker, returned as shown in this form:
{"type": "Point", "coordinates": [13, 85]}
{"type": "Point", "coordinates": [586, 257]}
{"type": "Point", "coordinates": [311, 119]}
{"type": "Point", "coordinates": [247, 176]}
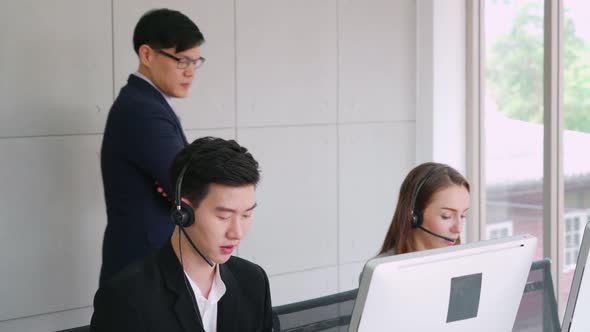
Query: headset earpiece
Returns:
{"type": "Point", "coordinates": [416, 219]}
{"type": "Point", "coordinates": [183, 216]}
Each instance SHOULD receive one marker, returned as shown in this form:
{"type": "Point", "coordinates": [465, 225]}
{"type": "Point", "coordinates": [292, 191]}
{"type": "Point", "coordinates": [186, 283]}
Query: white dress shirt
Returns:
{"type": "Point", "coordinates": [208, 306]}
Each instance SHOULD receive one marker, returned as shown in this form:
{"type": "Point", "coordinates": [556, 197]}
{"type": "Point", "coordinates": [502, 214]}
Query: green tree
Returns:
{"type": "Point", "coordinates": [515, 71]}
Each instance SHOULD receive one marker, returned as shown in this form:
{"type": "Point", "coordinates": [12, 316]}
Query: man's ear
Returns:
{"type": "Point", "coordinates": [146, 55]}
{"type": "Point", "coordinates": [186, 201]}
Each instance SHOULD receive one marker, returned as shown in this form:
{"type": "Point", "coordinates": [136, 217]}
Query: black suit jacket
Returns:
{"type": "Point", "coordinates": [152, 296]}
{"type": "Point", "coordinates": [141, 139]}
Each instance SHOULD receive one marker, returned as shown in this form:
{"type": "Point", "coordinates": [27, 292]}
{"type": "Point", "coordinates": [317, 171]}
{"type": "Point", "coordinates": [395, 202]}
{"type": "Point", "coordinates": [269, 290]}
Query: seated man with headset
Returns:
{"type": "Point", "coordinates": [193, 283]}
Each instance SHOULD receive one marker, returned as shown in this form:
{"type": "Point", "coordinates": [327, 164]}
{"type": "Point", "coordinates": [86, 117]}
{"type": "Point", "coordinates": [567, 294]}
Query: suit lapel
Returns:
{"type": "Point", "coordinates": [184, 308]}
{"type": "Point", "coordinates": [186, 313]}
{"type": "Point", "coordinates": [228, 307]}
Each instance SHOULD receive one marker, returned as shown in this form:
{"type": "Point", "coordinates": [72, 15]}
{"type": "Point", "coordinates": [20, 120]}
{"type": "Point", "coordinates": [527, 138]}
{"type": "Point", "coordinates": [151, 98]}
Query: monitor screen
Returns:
{"type": "Point", "coordinates": [471, 287]}
{"type": "Point", "coordinates": [576, 318]}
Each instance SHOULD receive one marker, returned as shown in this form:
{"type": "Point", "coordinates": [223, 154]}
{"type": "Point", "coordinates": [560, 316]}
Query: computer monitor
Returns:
{"type": "Point", "coordinates": [471, 287]}
{"type": "Point", "coordinates": [576, 316]}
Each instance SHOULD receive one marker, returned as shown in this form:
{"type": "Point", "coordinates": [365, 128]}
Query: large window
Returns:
{"type": "Point", "coordinates": [576, 133]}
{"type": "Point", "coordinates": [513, 109]}
{"type": "Point", "coordinates": [521, 125]}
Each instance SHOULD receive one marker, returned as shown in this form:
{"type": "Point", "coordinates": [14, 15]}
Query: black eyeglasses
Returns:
{"type": "Point", "coordinates": [183, 63]}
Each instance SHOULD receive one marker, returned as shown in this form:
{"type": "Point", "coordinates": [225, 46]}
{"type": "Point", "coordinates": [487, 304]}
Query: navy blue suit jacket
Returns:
{"type": "Point", "coordinates": [141, 139]}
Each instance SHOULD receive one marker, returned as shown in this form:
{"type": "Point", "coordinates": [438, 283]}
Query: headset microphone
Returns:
{"type": "Point", "coordinates": [437, 235]}
{"type": "Point", "coordinates": [417, 216]}
{"type": "Point", "coordinates": [183, 214]}
{"type": "Point", "coordinates": [207, 259]}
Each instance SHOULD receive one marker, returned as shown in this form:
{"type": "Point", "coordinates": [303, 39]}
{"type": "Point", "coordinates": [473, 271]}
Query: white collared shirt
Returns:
{"type": "Point", "coordinates": [143, 77]}
{"type": "Point", "coordinates": [208, 306]}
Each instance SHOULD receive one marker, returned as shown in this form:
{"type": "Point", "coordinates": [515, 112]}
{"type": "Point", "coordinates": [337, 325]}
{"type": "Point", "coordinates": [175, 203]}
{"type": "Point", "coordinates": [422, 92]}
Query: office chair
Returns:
{"type": "Point", "coordinates": [327, 313]}
{"type": "Point", "coordinates": [538, 307]}
{"type": "Point", "coordinates": [78, 329]}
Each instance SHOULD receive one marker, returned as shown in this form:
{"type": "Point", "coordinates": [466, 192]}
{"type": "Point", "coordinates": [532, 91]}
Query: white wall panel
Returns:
{"type": "Point", "coordinates": [305, 285]}
{"type": "Point", "coordinates": [374, 159]}
{"type": "Point", "coordinates": [349, 275]}
{"type": "Point", "coordinates": [377, 60]}
{"type": "Point", "coordinates": [55, 63]}
{"type": "Point", "coordinates": [52, 217]}
{"type": "Point", "coordinates": [286, 62]}
{"type": "Point", "coordinates": [294, 225]}
{"type": "Point", "coordinates": [211, 101]}
{"type": "Point", "coordinates": [449, 93]}
{"type": "Point", "coordinates": [50, 322]}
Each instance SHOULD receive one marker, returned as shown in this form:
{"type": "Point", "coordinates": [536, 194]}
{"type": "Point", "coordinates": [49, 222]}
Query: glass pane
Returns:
{"type": "Point", "coordinates": [514, 115]}
{"type": "Point", "coordinates": [576, 118]}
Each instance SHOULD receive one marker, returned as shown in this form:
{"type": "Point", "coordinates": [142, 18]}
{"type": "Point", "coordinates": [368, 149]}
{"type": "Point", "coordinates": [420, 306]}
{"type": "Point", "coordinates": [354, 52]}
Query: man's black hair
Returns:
{"type": "Point", "coordinates": [213, 160]}
{"type": "Point", "coordinates": [165, 28]}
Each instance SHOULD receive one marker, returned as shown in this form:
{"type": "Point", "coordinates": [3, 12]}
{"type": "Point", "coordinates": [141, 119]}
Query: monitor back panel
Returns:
{"type": "Point", "coordinates": [474, 287]}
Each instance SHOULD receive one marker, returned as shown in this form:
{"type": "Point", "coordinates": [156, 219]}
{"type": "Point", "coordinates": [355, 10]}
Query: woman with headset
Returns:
{"type": "Point", "coordinates": [431, 209]}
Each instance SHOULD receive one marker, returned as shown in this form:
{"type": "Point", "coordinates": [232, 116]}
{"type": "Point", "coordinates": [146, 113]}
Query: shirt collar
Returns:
{"type": "Point", "coordinates": [217, 288]}
{"type": "Point", "coordinates": [145, 78]}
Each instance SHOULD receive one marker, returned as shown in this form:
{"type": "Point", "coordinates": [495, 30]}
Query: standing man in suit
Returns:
{"type": "Point", "coordinates": [142, 136]}
{"type": "Point", "coordinates": [193, 283]}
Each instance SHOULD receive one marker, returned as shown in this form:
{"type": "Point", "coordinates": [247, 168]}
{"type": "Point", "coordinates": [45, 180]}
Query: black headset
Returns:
{"type": "Point", "coordinates": [182, 214]}
{"type": "Point", "coordinates": [417, 216]}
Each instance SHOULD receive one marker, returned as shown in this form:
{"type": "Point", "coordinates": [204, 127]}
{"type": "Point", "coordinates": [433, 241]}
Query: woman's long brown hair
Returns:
{"type": "Point", "coordinates": [399, 234]}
